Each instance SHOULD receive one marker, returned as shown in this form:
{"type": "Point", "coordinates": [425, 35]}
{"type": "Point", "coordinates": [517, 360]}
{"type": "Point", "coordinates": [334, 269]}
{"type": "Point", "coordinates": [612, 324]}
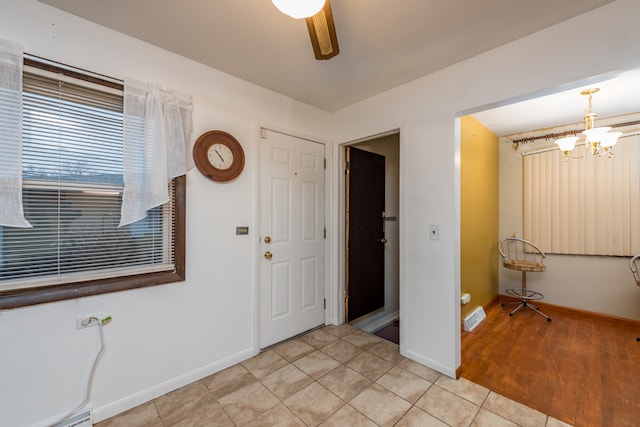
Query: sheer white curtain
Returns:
{"type": "Point", "coordinates": [589, 206]}
{"type": "Point", "coordinates": [11, 211]}
{"type": "Point", "coordinates": [157, 132]}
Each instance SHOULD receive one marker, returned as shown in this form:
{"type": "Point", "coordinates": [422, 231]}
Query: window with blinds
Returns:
{"type": "Point", "coordinates": [588, 206]}
{"type": "Point", "coordinates": [72, 189]}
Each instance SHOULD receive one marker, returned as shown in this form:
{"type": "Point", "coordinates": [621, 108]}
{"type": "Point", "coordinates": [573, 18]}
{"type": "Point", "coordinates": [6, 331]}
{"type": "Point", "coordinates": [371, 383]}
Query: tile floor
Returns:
{"type": "Point", "coordinates": [333, 376]}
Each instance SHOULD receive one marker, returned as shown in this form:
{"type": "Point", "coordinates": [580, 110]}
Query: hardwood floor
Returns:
{"type": "Point", "coordinates": [581, 369]}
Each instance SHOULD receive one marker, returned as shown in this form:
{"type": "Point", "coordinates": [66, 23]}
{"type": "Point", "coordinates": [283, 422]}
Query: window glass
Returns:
{"type": "Point", "coordinates": [72, 191]}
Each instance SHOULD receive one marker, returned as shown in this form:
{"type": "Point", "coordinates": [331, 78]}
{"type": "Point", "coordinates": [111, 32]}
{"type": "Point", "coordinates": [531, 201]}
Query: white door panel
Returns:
{"type": "Point", "coordinates": [292, 217]}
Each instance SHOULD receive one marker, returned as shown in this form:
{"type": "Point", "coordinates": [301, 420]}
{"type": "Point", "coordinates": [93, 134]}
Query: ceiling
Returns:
{"type": "Point", "coordinates": [618, 95]}
{"type": "Point", "coordinates": [383, 43]}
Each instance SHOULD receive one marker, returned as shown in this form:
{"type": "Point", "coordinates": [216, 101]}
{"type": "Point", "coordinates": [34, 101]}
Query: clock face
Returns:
{"type": "Point", "coordinates": [220, 156]}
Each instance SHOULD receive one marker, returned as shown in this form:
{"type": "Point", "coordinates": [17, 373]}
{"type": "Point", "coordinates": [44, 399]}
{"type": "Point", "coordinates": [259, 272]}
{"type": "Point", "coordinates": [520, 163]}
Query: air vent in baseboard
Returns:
{"type": "Point", "coordinates": [473, 319]}
{"type": "Point", "coordinates": [84, 418]}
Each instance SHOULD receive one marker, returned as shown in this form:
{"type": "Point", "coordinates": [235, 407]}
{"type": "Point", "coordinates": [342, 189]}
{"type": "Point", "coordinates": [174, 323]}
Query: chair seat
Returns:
{"type": "Point", "coordinates": [524, 265]}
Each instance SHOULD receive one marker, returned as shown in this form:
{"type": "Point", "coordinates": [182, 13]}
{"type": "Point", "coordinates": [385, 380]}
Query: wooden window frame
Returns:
{"type": "Point", "coordinates": [14, 298]}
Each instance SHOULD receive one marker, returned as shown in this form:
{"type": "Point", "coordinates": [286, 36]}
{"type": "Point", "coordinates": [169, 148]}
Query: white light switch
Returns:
{"type": "Point", "coordinates": [434, 232]}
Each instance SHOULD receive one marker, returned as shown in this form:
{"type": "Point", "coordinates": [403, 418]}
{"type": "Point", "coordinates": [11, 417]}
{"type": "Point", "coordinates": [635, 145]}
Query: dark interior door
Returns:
{"type": "Point", "coordinates": [365, 232]}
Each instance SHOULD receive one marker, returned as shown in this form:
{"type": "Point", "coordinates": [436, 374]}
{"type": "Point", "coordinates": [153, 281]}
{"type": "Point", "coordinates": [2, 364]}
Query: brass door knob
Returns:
{"type": "Point", "coordinates": [267, 239]}
{"type": "Point", "coordinates": [382, 240]}
{"type": "Point", "coordinates": [268, 255]}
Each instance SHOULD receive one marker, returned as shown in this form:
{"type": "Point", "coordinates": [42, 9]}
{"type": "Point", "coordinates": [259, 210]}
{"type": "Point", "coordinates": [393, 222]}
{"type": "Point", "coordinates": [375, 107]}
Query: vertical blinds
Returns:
{"type": "Point", "coordinates": [72, 192]}
{"type": "Point", "coordinates": [588, 206]}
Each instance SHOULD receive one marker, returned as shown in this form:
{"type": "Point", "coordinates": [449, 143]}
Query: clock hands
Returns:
{"type": "Point", "coordinates": [219, 155]}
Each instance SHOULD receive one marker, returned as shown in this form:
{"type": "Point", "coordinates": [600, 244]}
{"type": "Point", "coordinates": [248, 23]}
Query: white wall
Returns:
{"type": "Point", "coordinates": [425, 111]}
{"type": "Point", "coordinates": [166, 336]}
{"type": "Point", "coordinates": [598, 284]}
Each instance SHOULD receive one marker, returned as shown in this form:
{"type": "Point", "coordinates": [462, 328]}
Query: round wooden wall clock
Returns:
{"type": "Point", "coordinates": [218, 156]}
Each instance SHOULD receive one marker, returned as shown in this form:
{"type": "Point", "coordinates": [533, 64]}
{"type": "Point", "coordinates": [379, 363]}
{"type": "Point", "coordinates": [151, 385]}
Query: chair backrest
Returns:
{"type": "Point", "coordinates": [634, 264]}
{"type": "Point", "coordinates": [517, 249]}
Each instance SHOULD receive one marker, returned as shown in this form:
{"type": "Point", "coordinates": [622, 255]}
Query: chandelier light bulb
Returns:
{"type": "Point", "coordinates": [567, 144]}
{"type": "Point", "coordinates": [596, 134]}
{"type": "Point", "coordinates": [610, 139]}
{"type": "Point", "coordinates": [299, 9]}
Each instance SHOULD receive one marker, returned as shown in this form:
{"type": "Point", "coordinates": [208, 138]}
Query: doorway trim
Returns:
{"type": "Point", "coordinates": [339, 298]}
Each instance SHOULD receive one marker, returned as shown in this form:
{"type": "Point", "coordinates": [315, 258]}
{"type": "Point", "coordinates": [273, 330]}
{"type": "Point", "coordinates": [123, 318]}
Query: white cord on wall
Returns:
{"type": "Point", "coordinates": [91, 374]}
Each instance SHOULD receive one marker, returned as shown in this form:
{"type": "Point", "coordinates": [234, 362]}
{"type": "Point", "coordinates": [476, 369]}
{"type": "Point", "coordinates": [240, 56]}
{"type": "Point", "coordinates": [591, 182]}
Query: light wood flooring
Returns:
{"type": "Point", "coordinates": [578, 368]}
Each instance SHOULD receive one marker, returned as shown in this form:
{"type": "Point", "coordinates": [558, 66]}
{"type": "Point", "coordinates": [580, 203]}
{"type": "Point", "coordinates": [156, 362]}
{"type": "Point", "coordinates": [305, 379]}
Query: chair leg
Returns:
{"type": "Point", "coordinates": [515, 310]}
{"type": "Point", "coordinates": [524, 302]}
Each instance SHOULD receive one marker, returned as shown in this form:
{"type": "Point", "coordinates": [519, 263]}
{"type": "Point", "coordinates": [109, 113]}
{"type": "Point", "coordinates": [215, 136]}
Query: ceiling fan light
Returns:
{"type": "Point", "coordinates": [568, 143]}
{"type": "Point", "coordinates": [299, 9]}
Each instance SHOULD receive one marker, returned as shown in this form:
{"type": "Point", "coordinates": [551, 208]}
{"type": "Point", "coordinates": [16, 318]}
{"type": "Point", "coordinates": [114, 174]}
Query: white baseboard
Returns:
{"type": "Point", "coordinates": [128, 402]}
{"type": "Point", "coordinates": [448, 371]}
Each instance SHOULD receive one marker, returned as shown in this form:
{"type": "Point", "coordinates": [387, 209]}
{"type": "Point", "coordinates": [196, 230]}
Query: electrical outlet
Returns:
{"type": "Point", "coordinates": [87, 321]}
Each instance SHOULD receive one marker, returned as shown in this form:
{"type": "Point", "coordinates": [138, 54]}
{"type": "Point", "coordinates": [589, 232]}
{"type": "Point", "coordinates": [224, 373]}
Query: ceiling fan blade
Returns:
{"type": "Point", "coordinates": [322, 31]}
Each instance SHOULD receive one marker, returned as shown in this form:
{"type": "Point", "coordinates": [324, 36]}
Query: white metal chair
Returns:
{"type": "Point", "coordinates": [524, 256]}
{"type": "Point", "coordinates": [634, 264]}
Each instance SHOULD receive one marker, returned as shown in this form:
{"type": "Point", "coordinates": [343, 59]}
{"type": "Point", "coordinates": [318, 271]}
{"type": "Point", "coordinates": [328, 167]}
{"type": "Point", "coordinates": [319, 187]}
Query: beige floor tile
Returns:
{"type": "Point", "coordinates": [345, 382]}
{"type": "Point", "coordinates": [339, 331]}
{"type": "Point", "coordinates": [362, 339]}
{"type": "Point", "coordinates": [145, 415]}
{"type": "Point", "coordinates": [382, 406]}
{"type": "Point", "coordinates": [489, 419]}
{"type": "Point", "coordinates": [388, 351]}
{"type": "Point", "coordinates": [318, 338]}
{"type": "Point", "coordinates": [224, 382]}
{"type": "Point", "coordinates": [278, 416]}
{"type": "Point", "coordinates": [348, 417]}
{"type": "Point", "coordinates": [182, 400]}
{"type": "Point", "coordinates": [420, 370]}
{"type": "Point", "coordinates": [416, 417]}
{"type": "Point", "coordinates": [405, 384]}
{"type": "Point", "coordinates": [265, 363]}
{"type": "Point", "coordinates": [286, 381]}
{"type": "Point", "coordinates": [552, 422]}
{"type": "Point", "coordinates": [316, 364]}
{"type": "Point", "coordinates": [314, 404]}
{"type": "Point", "coordinates": [369, 365]}
{"type": "Point", "coordinates": [464, 388]}
{"type": "Point", "coordinates": [207, 412]}
{"type": "Point", "coordinates": [294, 349]}
{"type": "Point", "coordinates": [342, 351]}
{"type": "Point", "coordinates": [249, 402]}
{"type": "Point", "coordinates": [448, 407]}
{"type": "Point", "coordinates": [514, 411]}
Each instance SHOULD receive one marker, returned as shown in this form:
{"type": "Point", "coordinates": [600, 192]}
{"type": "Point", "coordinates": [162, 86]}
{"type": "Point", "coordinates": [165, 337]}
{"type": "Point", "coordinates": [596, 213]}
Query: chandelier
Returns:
{"type": "Point", "coordinates": [598, 139]}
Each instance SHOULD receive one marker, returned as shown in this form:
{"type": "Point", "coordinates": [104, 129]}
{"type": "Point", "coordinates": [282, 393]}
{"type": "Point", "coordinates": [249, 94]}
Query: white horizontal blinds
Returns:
{"type": "Point", "coordinates": [588, 206]}
{"type": "Point", "coordinates": [72, 193]}
{"type": "Point", "coordinates": [79, 130]}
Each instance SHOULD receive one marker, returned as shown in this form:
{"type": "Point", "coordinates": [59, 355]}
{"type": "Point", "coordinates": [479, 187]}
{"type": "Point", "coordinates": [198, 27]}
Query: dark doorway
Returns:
{"type": "Point", "coordinates": [365, 232]}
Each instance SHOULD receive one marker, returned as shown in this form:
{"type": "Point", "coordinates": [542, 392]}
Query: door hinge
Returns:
{"type": "Point", "coordinates": [325, 162]}
{"type": "Point", "coordinates": [325, 303]}
{"type": "Point", "coordinates": [325, 233]}
{"type": "Point", "coordinates": [263, 133]}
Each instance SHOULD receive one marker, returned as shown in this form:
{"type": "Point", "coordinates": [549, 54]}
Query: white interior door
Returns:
{"type": "Point", "coordinates": [292, 236]}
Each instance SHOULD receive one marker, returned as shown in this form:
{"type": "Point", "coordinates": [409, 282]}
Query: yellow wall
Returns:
{"type": "Point", "coordinates": [478, 213]}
